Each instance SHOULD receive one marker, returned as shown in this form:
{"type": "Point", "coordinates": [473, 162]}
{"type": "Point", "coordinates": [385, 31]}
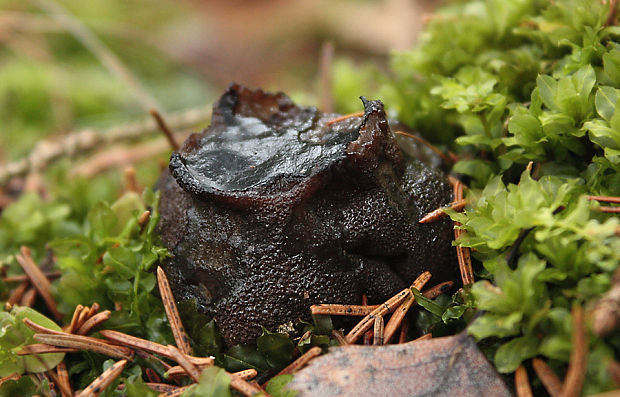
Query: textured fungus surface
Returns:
{"type": "Point", "coordinates": [271, 210]}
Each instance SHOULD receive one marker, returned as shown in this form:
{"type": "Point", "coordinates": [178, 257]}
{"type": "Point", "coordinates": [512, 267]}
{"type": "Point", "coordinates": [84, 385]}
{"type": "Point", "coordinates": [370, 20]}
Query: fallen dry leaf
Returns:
{"type": "Point", "coordinates": [443, 366]}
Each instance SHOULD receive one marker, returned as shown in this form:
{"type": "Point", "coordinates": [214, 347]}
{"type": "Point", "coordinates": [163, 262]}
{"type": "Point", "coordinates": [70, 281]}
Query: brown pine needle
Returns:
{"type": "Point", "coordinates": [549, 379]}
{"type": "Point", "coordinates": [440, 212]}
{"type": "Point", "coordinates": [522, 383]}
{"type": "Point", "coordinates": [344, 117]}
{"type": "Point", "coordinates": [161, 387]}
{"type": "Point", "coordinates": [339, 337]}
{"type": "Point", "coordinates": [575, 375]}
{"type": "Point", "coordinates": [104, 380]}
{"type": "Point", "coordinates": [404, 330]}
{"type": "Point", "coordinates": [38, 280]}
{"type": "Point", "coordinates": [41, 329]}
{"type": "Point", "coordinates": [164, 128]}
{"type": "Point", "coordinates": [609, 210]}
{"type": "Point", "coordinates": [63, 380]}
{"type": "Point", "coordinates": [86, 343]}
{"type": "Point", "coordinates": [172, 313]}
{"type": "Point", "coordinates": [246, 374]}
{"type": "Point", "coordinates": [385, 308]}
{"type": "Point", "coordinates": [368, 336]}
{"type": "Point", "coordinates": [437, 290]}
{"type": "Point", "coordinates": [22, 277]}
{"type": "Point", "coordinates": [18, 293]}
{"type": "Point", "coordinates": [135, 343]}
{"type": "Point", "coordinates": [93, 322]}
{"type": "Point", "coordinates": [423, 337]}
{"type": "Point", "coordinates": [29, 297]}
{"type": "Point", "coordinates": [131, 182]}
{"type": "Point", "coordinates": [94, 309]}
{"type": "Point", "coordinates": [152, 376]}
{"type": "Point", "coordinates": [182, 360]}
{"type": "Point", "coordinates": [462, 253]}
{"type": "Point", "coordinates": [342, 310]}
{"type": "Point", "coordinates": [426, 143]}
{"type": "Point", "coordinates": [76, 314]}
{"type": "Point", "coordinates": [82, 317]}
{"type": "Point", "coordinates": [377, 338]}
{"type": "Point", "coordinates": [607, 199]}
{"type": "Point", "coordinates": [175, 392]}
{"type": "Point", "coordinates": [246, 388]}
{"type": "Point", "coordinates": [302, 361]}
{"type": "Point", "coordinates": [42, 348]}
{"type": "Point", "coordinates": [177, 370]}
{"type": "Point", "coordinates": [398, 316]}
{"type": "Point", "coordinates": [13, 376]}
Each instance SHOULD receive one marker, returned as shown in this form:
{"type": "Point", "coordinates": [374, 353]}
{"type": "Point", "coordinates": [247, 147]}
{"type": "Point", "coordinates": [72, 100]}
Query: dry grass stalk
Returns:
{"type": "Point", "coordinates": [607, 199]}
{"type": "Point", "coordinates": [522, 383]}
{"type": "Point", "coordinates": [38, 280]}
{"type": "Point", "coordinates": [42, 348]}
{"type": "Point", "coordinates": [344, 117]}
{"type": "Point", "coordinates": [18, 293]}
{"type": "Point", "coordinates": [339, 337]}
{"type": "Point", "coordinates": [13, 376]}
{"type": "Point", "coordinates": [165, 129]}
{"type": "Point", "coordinates": [440, 212]}
{"type": "Point", "coordinates": [377, 338]}
{"type": "Point", "coordinates": [426, 143]}
{"type": "Point", "coordinates": [29, 297]}
{"type": "Point", "coordinates": [549, 379]}
{"type": "Point", "coordinates": [398, 316]}
{"type": "Point", "coordinates": [63, 380]}
{"type": "Point", "coordinates": [302, 361]}
{"type": "Point", "coordinates": [86, 343]}
{"type": "Point", "coordinates": [182, 360]}
{"type": "Point", "coordinates": [575, 375]}
{"type": "Point", "coordinates": [93, 322]}
{"type": "Point", "coordinates": [22, 277]}
{"type": "Point", "coordinates": [342, 310]}
{"type": "Point", "coordinates": [104, 380]}
{"type": "Point", "coordinates": [438, 289]}
{"type": "Point", "coordinates": [462, 253]}
{"type": "Point", "coordinates": [246, 374]}
{"type": "Point", "coordinates": [385, 308]}
{"type": "Point", "coordinates": [246, 388]}
{"type": "Point", "coordinates": [172, 313]}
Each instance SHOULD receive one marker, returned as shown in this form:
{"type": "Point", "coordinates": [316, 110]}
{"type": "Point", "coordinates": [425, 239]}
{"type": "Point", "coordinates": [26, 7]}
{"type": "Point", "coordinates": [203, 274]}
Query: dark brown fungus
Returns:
{"type": "Point", "coordinates": [270, 210]}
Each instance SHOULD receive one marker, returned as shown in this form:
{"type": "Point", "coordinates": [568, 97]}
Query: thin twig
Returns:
{"type": "Point", "coordinates": [86, 343]}
{"type": "Point", "coordinates": [387, 307]}
{"type": "Point", "coordinates": [165, 129]}
{"type": "Point", "coordinates": [462, 253]}
{"type": "Point", "coordinates": [549, 379]}
{"type": "Point", "coordinates": [342, 310]}
{"type": "Point", "coordinates": [377, 339]}
{"type": "Point", "coordinates": [326, 61]}
{"type": "Point", "coordinates": [575, 375]}
{"type": "Point", "coordinates": [38, 280]}
{"type": "Point", "coordinates": [522, 383]}
{"type": "Point", "coordinates": [172, 313]}
{"type": "Point", "coordinates": [440, 212]}
{"type": "Point", "coordinates": [104, 380]}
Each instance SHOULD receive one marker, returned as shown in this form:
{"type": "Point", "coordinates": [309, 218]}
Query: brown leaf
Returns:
{"type": "Point", "coordinates": [443, 366]}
